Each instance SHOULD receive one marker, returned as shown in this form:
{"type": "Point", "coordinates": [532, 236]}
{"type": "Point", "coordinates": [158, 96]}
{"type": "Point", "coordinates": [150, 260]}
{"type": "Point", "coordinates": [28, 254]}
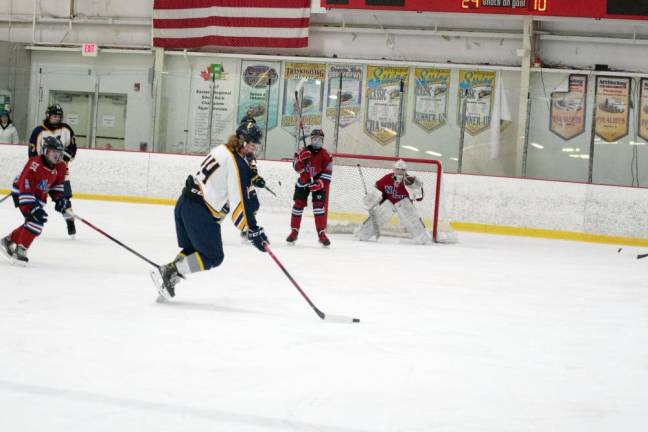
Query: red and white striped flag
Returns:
{"type": "Point", "coordinates": [237, 23]}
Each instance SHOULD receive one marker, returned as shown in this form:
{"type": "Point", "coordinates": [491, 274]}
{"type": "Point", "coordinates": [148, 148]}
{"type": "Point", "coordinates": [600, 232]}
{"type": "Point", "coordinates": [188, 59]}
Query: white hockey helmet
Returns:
{"type": "Point", "coordinates": [400, 169]}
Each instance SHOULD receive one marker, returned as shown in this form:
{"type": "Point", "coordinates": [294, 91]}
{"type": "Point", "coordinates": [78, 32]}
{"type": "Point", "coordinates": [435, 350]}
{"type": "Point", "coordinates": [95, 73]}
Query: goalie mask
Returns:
{"type": "Point", "coordinates": [400, 170]}
{"type": "Point", "coordinates": [317, 138]}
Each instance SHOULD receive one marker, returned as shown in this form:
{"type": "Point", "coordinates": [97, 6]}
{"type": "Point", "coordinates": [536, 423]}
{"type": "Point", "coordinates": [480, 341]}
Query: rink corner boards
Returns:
{"type": "Point", "coordinates": [458, 226]}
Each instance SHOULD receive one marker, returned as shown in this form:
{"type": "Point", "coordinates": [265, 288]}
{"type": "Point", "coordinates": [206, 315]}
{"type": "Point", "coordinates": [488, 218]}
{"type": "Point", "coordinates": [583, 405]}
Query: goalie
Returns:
{"type": "Point", "coordinates": [394, 193]}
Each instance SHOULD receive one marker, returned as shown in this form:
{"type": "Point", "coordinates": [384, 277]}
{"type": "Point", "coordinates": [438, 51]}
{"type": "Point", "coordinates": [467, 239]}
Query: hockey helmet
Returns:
{"type": "Point", "coordinates": [55, 109]}
{"type": "Point", "coordinates": [248, 131]}
{"type": "Point", "coordinates": [317, 138]}
{"type": "Point", "coordinates": [52, 149]}
{"type": "Point", "coordinates": [400, 169]}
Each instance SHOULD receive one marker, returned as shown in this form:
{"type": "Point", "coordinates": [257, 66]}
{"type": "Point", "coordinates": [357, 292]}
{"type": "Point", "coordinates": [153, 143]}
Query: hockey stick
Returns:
{"type": "Point", "coordinates": [322, 315]}
{"type": "Point", "coordinates": [270, 190]}
{"type": "Point", "coordinates": [641, 256]}
{"type": "Point", "coordinates": [139, 255]}
{"type": "Point", "coordinates": [372, 213]}
{"type": "Point", "coordinates": [4, 198]}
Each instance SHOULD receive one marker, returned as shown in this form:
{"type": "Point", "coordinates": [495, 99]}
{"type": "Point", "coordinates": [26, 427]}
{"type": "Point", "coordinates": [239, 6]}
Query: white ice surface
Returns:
{"type": "Point", "coordinates": [491, 334]}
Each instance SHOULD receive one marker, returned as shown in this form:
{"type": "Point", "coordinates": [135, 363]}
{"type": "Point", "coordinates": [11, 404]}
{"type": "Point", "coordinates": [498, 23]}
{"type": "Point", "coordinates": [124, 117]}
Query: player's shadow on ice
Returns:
{"type": "Point", "coordinates": [207, 307]}
{"type": "Point", "coordinates": [185, 412]}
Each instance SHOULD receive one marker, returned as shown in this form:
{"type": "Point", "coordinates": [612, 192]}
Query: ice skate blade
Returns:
{"type": "Point", "coordinates": [157, 281]}
{"type": "Point", "coordinates": [18, 263]}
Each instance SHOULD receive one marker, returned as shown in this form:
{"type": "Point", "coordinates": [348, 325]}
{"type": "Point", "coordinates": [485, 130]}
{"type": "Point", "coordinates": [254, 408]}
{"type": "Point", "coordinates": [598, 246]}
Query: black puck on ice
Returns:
{"type": "Point", "coordinates": [356, 320]}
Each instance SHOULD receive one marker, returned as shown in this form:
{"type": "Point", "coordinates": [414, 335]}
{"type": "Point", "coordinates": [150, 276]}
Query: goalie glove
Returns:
{"type": "Point", "coordinates": [372, 199]}
{"type": "Point", "coordinates": [414, 187]}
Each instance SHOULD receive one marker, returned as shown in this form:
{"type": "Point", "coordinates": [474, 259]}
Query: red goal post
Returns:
{"type": "Point", "coordinates": [345, 198]}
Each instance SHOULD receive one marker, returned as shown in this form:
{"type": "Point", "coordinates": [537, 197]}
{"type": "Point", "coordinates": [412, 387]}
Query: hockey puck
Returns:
{"type": "Point", "coordinates": [356, 320]}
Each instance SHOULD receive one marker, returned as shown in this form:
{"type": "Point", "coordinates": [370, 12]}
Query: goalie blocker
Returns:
{"type": "Point", "coordinates": [394, 193]}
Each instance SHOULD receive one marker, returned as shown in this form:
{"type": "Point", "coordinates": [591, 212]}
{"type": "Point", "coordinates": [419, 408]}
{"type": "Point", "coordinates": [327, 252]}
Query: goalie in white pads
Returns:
{"type": "Point", "coordinates": [394, 193]}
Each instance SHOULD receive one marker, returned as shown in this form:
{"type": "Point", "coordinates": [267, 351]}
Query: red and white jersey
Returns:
{"type": "Point", "coordinates": [391, 190]}
{"type": "Point", "coordinates": [37, 180]}
{"type": "Point", "coordinates": [319, 166]}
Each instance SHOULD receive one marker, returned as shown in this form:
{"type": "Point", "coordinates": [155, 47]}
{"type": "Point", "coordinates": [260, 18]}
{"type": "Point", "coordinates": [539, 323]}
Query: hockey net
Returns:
{"type": "Point", "coordinates": [345, 207]}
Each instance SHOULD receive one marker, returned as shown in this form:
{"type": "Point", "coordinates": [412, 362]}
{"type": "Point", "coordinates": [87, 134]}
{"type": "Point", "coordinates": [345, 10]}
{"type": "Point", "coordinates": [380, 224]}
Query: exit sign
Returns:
{"type": "Point", "coordinates": [89, 49]}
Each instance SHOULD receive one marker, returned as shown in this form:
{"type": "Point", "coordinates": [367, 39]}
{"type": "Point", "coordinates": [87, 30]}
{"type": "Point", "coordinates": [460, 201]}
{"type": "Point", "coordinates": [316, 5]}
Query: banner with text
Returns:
{"type": "Point", "coordinates": [612, 107]}
{"type": "Point", "coordinates": [349, 98]}
{"type": "Point", "coordinates": [384, 102]}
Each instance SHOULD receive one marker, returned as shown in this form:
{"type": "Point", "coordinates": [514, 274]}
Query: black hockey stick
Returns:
{"type": "Point", "coordinates": [322, 315]}
{"type": "Point", "coordinates": [270, 190]}
{"type": "Point", "coordinates": [100, 231]}
{"type": "Point", "coordinates": [372, 212]}
{"type": "Point", "coordinates": [641, 256]}
{"type": "Point", "coordinates": [4, 198]}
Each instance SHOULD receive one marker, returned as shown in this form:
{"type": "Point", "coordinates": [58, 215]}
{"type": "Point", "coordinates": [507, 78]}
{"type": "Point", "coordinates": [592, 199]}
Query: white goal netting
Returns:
{"type": "Point", "coordinates": [346, 210]}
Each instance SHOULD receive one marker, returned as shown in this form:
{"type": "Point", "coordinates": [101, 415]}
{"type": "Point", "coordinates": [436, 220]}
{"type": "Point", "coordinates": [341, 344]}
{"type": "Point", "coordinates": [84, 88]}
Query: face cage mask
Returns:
{"type": "Point", "coordinates": [57, 154]}
{"type": "Point", "coordinates": [317, 142]}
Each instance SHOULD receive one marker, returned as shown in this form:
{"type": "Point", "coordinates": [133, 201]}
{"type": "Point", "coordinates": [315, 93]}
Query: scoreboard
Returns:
{"type": "Point", "coordinates": [610, 9]}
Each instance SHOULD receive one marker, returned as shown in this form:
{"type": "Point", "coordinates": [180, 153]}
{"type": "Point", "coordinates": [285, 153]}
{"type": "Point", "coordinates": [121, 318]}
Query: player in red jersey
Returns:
{"type": "Point", "coordinates": [53, 126]}
{"type": "Point", "coordinates": [315, 167]}
{"type": "Point", "coordinates": [394, 192]}
{"type": "Point", "coordinates": [42, 175]}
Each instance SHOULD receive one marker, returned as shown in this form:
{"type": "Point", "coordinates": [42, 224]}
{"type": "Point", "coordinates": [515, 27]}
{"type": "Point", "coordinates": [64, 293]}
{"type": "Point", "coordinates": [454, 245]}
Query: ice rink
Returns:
{"type": "Point", "coordinates": [491, 334]}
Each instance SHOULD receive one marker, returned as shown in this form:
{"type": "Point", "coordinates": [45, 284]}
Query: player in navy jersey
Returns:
{"type": "Point", "coordinates": [221, 186]}
{"type": "Point", "coordinates": [53, 126]}
{"type": "Point", "coordinates": [315, 168]}
{"type": "Point", "coordinates": [42, 175]}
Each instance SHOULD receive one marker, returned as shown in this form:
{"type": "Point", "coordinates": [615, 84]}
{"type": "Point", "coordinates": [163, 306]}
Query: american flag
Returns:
{"type": "Point", "coordinates": [236, 23]}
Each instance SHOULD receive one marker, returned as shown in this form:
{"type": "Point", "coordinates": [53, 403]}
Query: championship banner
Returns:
{"type": "Point", "coordinates": [612, 107]}
{"type": "Point", "coordinates": [567, 112]}
{"type": "Point", "coordinates": [431, 105]}
{"type": "Point", "coordinates": [477, 89]}
{"type": "Point", "coordinates": [253, 93]}
{"type": "Point", "coordinates": [221, 76]}
{"type": "Point", "coordinates": [312, 77]}
{"type": "Point", "coordinates": [384, 102]}
{"type": "Point", "coordinates": [643, 110]}
{"type": "Point", "coordinates": [350, 96]}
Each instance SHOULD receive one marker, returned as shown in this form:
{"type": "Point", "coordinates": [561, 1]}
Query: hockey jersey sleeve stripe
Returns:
{"type": "Point", "coordinates": [325, 176]}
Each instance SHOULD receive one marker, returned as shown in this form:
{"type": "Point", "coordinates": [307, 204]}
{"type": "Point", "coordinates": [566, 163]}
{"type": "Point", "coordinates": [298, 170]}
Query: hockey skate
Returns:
{"type": "Point", "coordinates": [323, 239]}
{"type": "Point", "coordinates": [71, 227]}
{"type": "Point", "coordinates": [292, 237]}
{"type": "Point", "coordinates": [165, 280]}
{"type": "Point", "coordinates": [7, 247]}
{"type": "Point", "coordinates": [20, 255]}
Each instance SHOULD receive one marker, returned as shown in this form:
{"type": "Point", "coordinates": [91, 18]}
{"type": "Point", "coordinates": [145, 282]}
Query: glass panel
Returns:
{"type": "Point", "coordinates": [559, 127]}
{"type": "Point", "coordinates": [618, 147]}
{"type": "Point", "coordinates": [15, 74]}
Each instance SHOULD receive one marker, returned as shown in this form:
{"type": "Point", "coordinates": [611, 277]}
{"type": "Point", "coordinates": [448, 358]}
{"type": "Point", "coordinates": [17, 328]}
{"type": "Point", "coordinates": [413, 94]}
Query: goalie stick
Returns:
{"type": "Point", "coordinates": [372, 213]}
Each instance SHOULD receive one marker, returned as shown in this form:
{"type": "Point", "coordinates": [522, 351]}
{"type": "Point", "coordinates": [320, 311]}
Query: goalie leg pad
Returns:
{"type": "Point", "coordinates": [378, 217]}
{"type": "Point", "coordinates": [411, 221]}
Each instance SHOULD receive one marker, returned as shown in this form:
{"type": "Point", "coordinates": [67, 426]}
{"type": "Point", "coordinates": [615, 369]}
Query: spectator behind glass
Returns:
{"type": "Point", "coordinates": [8, 132]}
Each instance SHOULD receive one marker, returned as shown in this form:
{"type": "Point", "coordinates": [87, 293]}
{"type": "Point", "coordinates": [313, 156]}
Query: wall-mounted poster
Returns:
{"type": "Point", "coordinates": [431, 105]}
{"type": "Point", "coordinates": [567, 116]}
{"type": "Point", "coordinates": [477, 88]}
{"type": "Point", "coordinates": [350, 98]}
{"type": "Point", "coordinates": [612, 107]}
{"type": "Point", "coordinates": [384, 102]}
{"type": "Point", "coordinates": [643, 110]}
{"type": "Point", "coordinates": [223, 110]}
{"type": "Point", "coordinates": [255, 76]}
{"type": "Point", "coordinates": [310, 76]}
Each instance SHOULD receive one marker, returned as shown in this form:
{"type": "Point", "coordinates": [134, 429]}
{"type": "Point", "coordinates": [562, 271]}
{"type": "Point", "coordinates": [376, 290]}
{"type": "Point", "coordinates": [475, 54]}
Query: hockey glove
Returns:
{"type": "Point", "coordinates": [37, 215]}
{"type": "Point", "coordinates": [304, 155]}
{"type": "Point", "coordinates": [258, 238]}
{"type": "Point", "coordinates": [258, 181]}
{"type": "Point", "coordinates": [61, 205]}
{"type": "Point", "coordinates": [316, 185]}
